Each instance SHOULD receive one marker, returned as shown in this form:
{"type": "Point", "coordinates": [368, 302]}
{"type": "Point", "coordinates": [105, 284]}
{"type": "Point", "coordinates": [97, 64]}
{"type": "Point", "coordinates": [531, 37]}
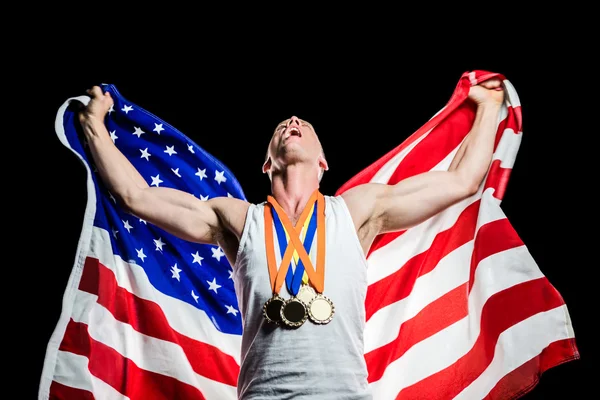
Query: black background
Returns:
{"type": "Point", "coordinates": [363, 95]}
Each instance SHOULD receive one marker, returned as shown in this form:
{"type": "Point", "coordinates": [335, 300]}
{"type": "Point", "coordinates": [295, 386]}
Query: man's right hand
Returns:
{"type": "Point", "coordinates": [98, 106]}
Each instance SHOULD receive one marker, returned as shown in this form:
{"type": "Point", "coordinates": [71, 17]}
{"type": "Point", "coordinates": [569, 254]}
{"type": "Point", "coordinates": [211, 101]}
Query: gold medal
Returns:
{"type": "Point", "coordinates": [306, 294]}
{"type": "Point", "coordinates": [321, 309]}
{"type": "Point", "coordinates": [272, 309]}
{"type": "Point", "coordinates": [293, 313]}
{"type": "Point", "coordinates": [309, 302]}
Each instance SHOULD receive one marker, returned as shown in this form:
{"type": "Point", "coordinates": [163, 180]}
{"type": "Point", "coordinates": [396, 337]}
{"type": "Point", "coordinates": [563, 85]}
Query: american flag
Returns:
{"type": "Point", "coordinates": [456, 306]}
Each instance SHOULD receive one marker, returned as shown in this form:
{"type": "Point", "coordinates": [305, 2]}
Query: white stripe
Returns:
{"type": "Point", "coordinates": [148, 353]}
{"type": "Point", "coordinates": [452, 271]}
{"type": "Point", "coordinates": [384, 173]}
{"type": "Point", "coordinates": [511, 94]}
{"type": "Point", "coordinates": [493, 274]}
{"type": "Point", "coordinates": [80, 255]}
{"type": "Point", "coordinates": [508, 148]}
{"type": "Point", "coordinates": [472, 78]}
{"type": "Point", "coordinates": [517, 345]}
{"type": "Point", "coordinates": [181, 316]}
{"type": "Point", "coordinates": [388, 259]}
{"type": "Point", "coordinates": [72, 370]}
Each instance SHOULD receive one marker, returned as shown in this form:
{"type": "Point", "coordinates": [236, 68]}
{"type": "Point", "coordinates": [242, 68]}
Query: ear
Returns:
{"type": "Point", "coordinates": [323, 163]}
{"type": "Point", "coordinates": [266, 166]}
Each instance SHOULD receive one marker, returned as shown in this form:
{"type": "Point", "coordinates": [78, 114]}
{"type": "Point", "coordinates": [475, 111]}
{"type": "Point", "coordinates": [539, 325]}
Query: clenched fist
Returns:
{"type": "Point", "coordinates": [487, 92]}
{"type": "Point", "coordinates": [98, 106]}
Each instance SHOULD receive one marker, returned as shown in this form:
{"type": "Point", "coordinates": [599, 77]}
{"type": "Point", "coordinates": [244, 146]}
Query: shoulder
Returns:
{"type": "Point", "coordinates": [231, 212]}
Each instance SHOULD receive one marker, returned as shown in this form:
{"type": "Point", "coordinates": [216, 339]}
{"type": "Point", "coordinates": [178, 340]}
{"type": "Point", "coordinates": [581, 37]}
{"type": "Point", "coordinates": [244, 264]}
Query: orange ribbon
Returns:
{"type": "Point", "coordinates": [316, 276]}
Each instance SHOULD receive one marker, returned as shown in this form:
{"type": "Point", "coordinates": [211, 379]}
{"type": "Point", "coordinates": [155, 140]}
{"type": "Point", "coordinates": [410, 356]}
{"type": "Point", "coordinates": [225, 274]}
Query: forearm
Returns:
{"type": "Point", "coordinates": [117, 173]}
{"type": "Point", "coordinates": [473, 158]}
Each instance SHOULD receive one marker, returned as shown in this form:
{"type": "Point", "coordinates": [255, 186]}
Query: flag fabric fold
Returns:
{"type": "Point", "coordinates": [145, 315]}
{"type": "Point", "coordinates": [456, 306]}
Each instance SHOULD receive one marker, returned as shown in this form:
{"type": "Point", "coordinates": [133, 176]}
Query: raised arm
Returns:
{"type": "Point", "coordinates": [378, 208]}
{"type": "Point", "coordinates": [175, 211]}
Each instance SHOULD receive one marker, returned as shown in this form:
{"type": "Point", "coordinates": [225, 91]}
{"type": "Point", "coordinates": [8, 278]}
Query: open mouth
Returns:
{"type": "Point", "coordinates": [293, 132]}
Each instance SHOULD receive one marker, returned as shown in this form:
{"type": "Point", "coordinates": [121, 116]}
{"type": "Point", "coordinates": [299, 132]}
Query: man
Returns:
{"type": "Point", "coordinates": [302, 300]}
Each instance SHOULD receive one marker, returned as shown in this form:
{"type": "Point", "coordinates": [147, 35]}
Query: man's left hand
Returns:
{"type": "Point", "coordinates": [487, 92]}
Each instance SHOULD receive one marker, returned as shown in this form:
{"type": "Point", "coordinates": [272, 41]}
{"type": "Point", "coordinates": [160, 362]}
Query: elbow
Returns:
{"type": "Point", "coordinates": [470, 188]}
{"type": "Point", "coordinates": [130, 201]}
{"type": "Point", "coordinates": [466, 187]}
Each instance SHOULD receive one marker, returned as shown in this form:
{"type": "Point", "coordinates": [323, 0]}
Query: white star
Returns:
{"type": "Point", "coordinates": [145, 154]}
{"type": "Point", "coordinates": [176, 172]}
{"type": "Point", "coordinates": [219, 177]}
{"type": "Point", "coordinates": [175, 272]}
{"type": "Point", "coordinates": [195, 296]}
{"type": "Point", "coordinates": [229, 194]}
{"type": "Point", "coordinates": [170, 150]}
{"type": "Point", "coordinates": [156, 180]}
{"type": "Point", "coordinates": [114, 232]}
{"type": "Point", "coordinates": [190, 148]}
{"type": "Point", "coordinates": [158, 128]}
{"type": "Point", "coordinates": [143, 222]}
{"type": "Point", "coordinates": [140, 254]}
{"type": "Point", "coordinates": [127, 226]}
{"type": "Point", "coordinates": [230, 274]}
{"type": "Point", "coordinates": [138, 131]}
{"type": "Point", "coordinates": [113, 135]}
{"type": "Point", "coordinates": [201, 173]}
{"type": "Point", "coordinates": [127, 109]}
{"type": "Point", "coordinates": [197, 258]}
{"type": "Point", "coordinates": [203, 198]}
{"type": "Point", "coordinates": [159, 244]}
{"type": "Point", "coordinates": [231, 310]}
{"type": "Point", "coordinates": [213, 285]}
{"type": "Point", "coordinates": [217, 253]}
{"type": "Point", "coordinates": [111, 109]}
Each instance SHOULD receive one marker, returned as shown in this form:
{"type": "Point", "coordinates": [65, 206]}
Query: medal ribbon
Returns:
{"type": "Point", "coordinates": [294, 279]}
{"type": "Point", "coordinates": [277, 276]}
{"type": "Point", "coordinates": [316, 275]}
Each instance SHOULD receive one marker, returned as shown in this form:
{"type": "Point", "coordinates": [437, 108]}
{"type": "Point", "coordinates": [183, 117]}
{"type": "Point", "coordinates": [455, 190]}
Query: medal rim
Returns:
{"type": "Point", "coordinates": [321, 296]}
{"type": "Point", "coordinates": [286, 321]}
{"type": "Point", "coordinates": [309, 288]}
{"type": "Point", "coordinates": [265, 314]}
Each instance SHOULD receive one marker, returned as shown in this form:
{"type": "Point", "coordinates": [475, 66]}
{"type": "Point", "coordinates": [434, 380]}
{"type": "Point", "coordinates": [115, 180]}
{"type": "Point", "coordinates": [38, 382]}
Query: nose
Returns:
{"type": "Point", "coordinates": [294, 121]}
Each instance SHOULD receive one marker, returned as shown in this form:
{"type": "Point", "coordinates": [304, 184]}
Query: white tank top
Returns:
{"type": "Point", "coordinates": [313, 361]}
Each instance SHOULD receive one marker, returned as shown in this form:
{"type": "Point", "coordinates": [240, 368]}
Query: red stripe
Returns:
{"type": "Point", "coordinates": [437, 315]}
{"type": "Point", "coordinates": [503, 310]}
{"type": "Point", "coordinates": [523, 379]}
{"type": "Point", "coordinates": [122, 373]}
{"type": "Point", "coordinates": [492, 238]}
{"type": "Point", "coordinates": [440, 142]}
{"type": "Point", "coordinates": [381, 294]}
{"type": "Point", "coordinates": [450, 308]}
{"type": "Point", "coordinates": [58, 391]}
{"type": "Point", "coordinates": [148, 318]}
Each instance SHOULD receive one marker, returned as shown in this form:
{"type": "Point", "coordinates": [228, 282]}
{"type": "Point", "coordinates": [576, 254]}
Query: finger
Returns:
{"type": "Point", "coordinates": [96, 91]}
{"type": "Point", "coordinates": [492, 83]}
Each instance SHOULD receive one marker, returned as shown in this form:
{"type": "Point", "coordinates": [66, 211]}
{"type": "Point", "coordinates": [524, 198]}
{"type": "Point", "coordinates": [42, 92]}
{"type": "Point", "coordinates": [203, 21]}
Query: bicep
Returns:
{"type": "Point", "coordinates": [418, 198]}
{"type": "Point", "coordinates": [177, 212]}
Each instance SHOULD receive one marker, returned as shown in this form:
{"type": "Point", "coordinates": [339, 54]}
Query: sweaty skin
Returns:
{"type": "Point", "coordinates": [295, 163]}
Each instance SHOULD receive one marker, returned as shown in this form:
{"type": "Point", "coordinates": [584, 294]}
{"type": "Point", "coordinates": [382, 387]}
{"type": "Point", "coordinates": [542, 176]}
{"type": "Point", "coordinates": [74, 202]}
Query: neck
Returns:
{"type": "Point", "coordinates": [292, 188]}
